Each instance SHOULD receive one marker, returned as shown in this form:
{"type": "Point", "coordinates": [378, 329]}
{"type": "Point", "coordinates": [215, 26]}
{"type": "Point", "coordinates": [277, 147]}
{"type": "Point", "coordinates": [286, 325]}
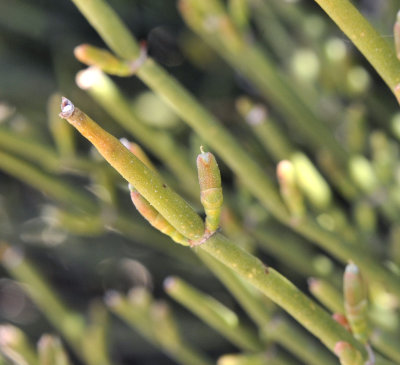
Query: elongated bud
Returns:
{"type": "Point", "coordinates": [311, 182]}
{"type": "Point", "coordinates": [289, 189]}
{"type": "Point", "coordinates": [51, 351]}
{"type": "Point", "coordinates": [168, 203]}
{"type": "Point", "coordinates": [347, 354]}
{"type": "Point", "coordinates": [155, 218]}
{"type": "Point", "coordinates": [355, 298]}
{"type": "Point", "coordinates": [138, 152]}
{"type": "Point", "coordinates": [103, 59]}
{"type": "Point", "coordinates": [396, 32]}
{"type": "Point", "coordinates": [210, 189]}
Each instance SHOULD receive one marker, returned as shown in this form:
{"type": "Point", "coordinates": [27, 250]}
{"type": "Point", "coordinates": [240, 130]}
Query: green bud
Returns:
{"type": "Point", "coordinates": [356, 304]}
{"type": "Point", "coordinates": [154, 217]}
{"type": "Point", "coordinates": [347, 354]}
{"type": "Point", "coordinates": [289, 189]}
{"type": "Point", "coordinates": [210, 189]}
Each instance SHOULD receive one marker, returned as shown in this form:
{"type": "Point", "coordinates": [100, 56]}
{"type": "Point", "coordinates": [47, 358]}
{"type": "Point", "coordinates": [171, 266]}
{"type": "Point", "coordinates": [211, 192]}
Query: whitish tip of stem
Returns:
{"type": "Point", "coordinates": [312, 283]}
{"type": "Point", "coordinates": [257, 115]}
{"type": "Point", "coordinates": [139, 296]}
{"type": "Point", "coordinates": [398, 16]}
{"type": "Point", "coordinates": [201, 149]}
{"type": "Point", "coordinates": [169, 283]}
{"type": "Point", "coordinates": [79, 51]}
{"type": "Point", "coordinates": [12, 257]}
{"type": "Point", "coordinates": [47, 340]}
{"type": "Point", "coordinates": [284, 168]}
{"type": "Point", "coordinates": [85, 79]}
{"type": "Point", "coordinates": [352, 268]}
{"type": "Point", "coordinates": [112, 298]}
{"type": "Point", "coordinates": [67, 108]}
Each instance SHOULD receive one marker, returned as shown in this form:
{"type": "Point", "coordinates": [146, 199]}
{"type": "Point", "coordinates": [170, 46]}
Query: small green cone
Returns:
{"type": "Point", "coordinates": [210, 189]}
{"type": "Point", "coordinates": [356, 303]}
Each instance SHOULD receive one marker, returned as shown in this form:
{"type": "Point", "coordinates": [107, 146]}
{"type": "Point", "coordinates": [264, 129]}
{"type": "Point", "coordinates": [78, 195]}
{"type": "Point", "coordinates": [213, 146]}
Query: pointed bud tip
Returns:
{"type": "Point", "coordinates": [284, 168]}
{"type": "Point", "coordinates": [67, 108]}
{"type": "Point", "coordinates": [79, 51]}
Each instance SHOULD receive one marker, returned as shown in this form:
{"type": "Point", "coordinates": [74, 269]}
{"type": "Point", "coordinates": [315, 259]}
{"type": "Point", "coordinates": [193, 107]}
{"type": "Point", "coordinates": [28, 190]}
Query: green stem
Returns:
{"type": "Point", "coordinates": [104, 19]}
{"type": "Point", "coordinates": [294, 253]}
{"type": "Point", "coordinates": [67, 322]}
{"type": "Point", "coordinates": [214, 313]}
{"type": "Point", "coordinates": [166, 201]}
{"type": "Point", "coordinates": [58, 190]}
{"type": "Point", "coordinates": [16, 347]}
{"type": "Point", "coordinates": [260, 310]}
{"type": "Point", "coordinates": [327, 295]}
{"type": "Point", "coordinates": [107, 94]}
{"type": "Point", "coordinates": [281, 291]}
{"type": "Point", "coordinates": [253, 62]}
{"type": "Point", "coordinates": [41, 154]}
{"type": "Point", "coordinates": [136, 314]}
{"type": "Point", "coordinates": [292, 338]}
{"type": "Point", "coordinates": [365, 37]}
{"type": "Point", "coordinates": [178, 213]}
{"type": "Point", "coordinates": [257, 306]}
{"type": "Point", "coordinates": [387, 344]}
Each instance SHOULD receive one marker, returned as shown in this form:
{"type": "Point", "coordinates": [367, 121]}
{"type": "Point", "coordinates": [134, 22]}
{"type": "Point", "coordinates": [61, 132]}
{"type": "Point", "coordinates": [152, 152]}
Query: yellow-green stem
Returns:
{"type": "Point", "coordinates": [365, 37]}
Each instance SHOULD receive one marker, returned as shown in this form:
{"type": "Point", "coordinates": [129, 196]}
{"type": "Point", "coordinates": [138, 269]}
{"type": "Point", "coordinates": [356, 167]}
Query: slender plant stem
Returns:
{"type": "Point", "coordinates": [160, 143]}
{"type": "Point", "coordinates": [254, 63]}
{"type": "Point", "coordinates": [327, 294]}
{"type": "Point", "coordinates": [178, 213]}
{"type": "Point", "coordinates": [214, 313]}
{"type": "Point", "coordinates": [255, 304]}
{"type": "Point", "coordinates": [136, 314]}
{"type": "Point", "coordinates": [292, 338]}
{"type": "Point", "coordinates": [69, 323]}
{"type": "Point", "coordinates": [282, 292]}
{"type": "Point", "coordinates": [149, 184]}
{"type": "Point", "coordinates": [258, 307]}
{"type": "Point", "coordinates": [104, 19]}
{"type": "Point", "coordinates": [294, 253]}
{"type": "Point", "coordinates": [57, 189]}
{"type": "Point", "coordinates": [252, 175]}
{"type": "Point", "coordinates": [41, 154]}
{"type": "Point", "coordinates": [365, 37]}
